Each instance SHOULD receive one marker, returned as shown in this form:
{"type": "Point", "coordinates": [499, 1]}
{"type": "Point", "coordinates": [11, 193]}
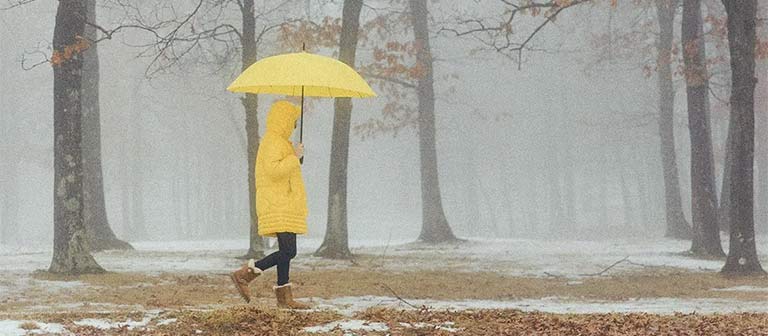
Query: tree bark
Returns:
{"type": "Point", "coordinates": [250, 105]}
{"type": "Point", "coordinates": [100, 234]}
{"type": "Point", "coordinates": [336, 242]}
{"type": "Point", "coordinates": [706, 232]}
{"type": "Point", "coordinates": [434, 228]}
{"type": "Point", "coordinates": [677, 226]}
{"type": "Point", "coordinates": [70, 246]}
{"type": "Point", "coordinates": [724, 208]}
{"type": "Point", "coordinates": [742, 255]}
{"type": "Point", "coordinates": [761, 152]}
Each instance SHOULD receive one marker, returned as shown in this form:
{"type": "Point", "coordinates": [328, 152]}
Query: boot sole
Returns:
{"type": "Point", "coordinates": [239, 290]}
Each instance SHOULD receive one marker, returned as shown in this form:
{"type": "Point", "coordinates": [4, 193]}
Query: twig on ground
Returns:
{"type": "Point", "coordinates": [607, 268]}
{"type": "Point", "coordinates": [397, 296]}
{"type": "Point", "coordinates": [553, 275]}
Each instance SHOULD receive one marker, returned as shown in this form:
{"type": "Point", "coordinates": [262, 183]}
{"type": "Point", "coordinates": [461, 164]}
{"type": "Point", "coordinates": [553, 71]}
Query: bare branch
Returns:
{"type": "Point", "coordinates": [499, 37]}
{"type": "Point", "coordinates": [16, 3]}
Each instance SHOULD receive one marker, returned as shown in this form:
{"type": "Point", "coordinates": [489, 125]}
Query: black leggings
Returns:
{"type": "Point", "coordinates": [286, 241]}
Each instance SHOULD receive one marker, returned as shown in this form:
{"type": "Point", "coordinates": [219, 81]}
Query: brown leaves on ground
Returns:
{"type": "Point", "coordinates": [514, 322]}
{"type": "Point", "coordinates": [246, 320]}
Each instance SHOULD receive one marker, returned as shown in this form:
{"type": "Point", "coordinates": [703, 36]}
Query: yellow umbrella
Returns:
{"type": "Point", "coordinates": [302, 74]}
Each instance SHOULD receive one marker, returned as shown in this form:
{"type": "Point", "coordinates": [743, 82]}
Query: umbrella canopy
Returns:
{"type": "Point", "coordinates": [302, 74]}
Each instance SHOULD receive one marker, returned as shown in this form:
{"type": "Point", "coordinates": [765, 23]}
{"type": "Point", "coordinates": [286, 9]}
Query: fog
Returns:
{"type": "Point", "coordinates": [563, 144]}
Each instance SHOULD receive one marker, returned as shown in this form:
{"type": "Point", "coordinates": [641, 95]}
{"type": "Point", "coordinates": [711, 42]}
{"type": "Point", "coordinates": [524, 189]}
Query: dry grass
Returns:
{"type": "Point", "coordinates": [171, 291]}
{"type": "Point", "coordinates": [28, 325]}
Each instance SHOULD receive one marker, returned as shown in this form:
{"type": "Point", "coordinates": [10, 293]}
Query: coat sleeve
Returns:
{"type": "Point", "coordinates": [278, 164]}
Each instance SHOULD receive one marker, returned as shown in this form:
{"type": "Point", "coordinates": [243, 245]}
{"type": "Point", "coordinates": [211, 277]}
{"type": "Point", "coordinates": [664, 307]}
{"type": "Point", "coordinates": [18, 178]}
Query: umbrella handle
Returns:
{"type": "Point", "coordinates": [301, 129]}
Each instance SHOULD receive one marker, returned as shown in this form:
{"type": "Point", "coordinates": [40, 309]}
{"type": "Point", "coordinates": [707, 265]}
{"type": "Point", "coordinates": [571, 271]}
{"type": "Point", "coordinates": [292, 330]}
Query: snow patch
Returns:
{"type": "Point", "coordinates": [741, 289]}
{"type": "Point", "coordinates": [348, 325]}
{"type": "Point", "coordinates": [347, 306]}
{"type": "Point", "coordinates": [13, 328]}
{"type": "Point", "coordinates": [130, 324]}
{"type": "Point", "coordinates": [166, 321]}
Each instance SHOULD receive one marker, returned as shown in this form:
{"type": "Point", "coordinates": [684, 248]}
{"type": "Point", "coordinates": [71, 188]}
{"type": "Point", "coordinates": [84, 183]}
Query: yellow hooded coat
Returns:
{"type": "Point", "coordinates": [281, 201]}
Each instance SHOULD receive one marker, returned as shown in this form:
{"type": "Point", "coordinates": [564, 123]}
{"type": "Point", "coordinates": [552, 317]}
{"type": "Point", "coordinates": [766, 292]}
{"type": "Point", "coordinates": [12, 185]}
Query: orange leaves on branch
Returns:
{"type": "Point", "coordinates": [59, 57]}
{"type": "Point", "coordinates": [312, 35]}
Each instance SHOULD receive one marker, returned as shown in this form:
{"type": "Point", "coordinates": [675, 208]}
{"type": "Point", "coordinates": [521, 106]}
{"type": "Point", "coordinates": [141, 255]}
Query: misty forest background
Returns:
{"type": "Point", "coordinates": [552, 120]}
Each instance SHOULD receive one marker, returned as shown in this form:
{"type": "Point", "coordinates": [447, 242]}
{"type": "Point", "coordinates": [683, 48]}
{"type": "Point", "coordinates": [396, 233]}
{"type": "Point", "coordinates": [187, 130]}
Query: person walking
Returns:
{"type": "Point", "coordinates": [281, 203]}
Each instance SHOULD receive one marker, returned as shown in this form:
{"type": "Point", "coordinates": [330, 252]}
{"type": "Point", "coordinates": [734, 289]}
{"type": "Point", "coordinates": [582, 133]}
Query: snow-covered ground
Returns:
{"type": "Point", "coordinates": [523, 257]}
{"type": "Point", "coordinates": [349, 305]}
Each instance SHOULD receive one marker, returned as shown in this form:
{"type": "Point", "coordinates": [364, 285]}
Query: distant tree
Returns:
{"type": "Point", "coordinates": [706, 232]}
{"type": "Point", "coordinates": [100, 234]}
{"type": "Point", "coordinates": [336, 242]}
{"type": "Point", "coordinates": [70, 250]}
{"type": "Point", "coordinates": [742, 255]}
{"type": "Point", "coordinates": [677, 226]}
{"type": "Point", "coordinates": [434, 227]}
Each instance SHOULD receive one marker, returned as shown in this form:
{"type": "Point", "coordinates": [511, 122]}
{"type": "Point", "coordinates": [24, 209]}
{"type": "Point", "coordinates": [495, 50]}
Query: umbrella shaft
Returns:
{"type": "Point", "coordinates": [301, 129]}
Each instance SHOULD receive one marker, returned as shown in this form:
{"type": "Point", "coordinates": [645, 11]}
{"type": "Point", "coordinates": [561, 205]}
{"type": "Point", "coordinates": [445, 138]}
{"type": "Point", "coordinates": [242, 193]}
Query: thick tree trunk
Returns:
{"type": "Point", "coordinates": [706, 232]}
{"type": "Point", "coordinates": [677, 226]}
{"type": "Point", "coordinates": [336, 242]}
{"type": "Point", "coordinates": [761, 152]}
{"type": "Point", "coordinates": [70, 246]}
{"type": "Point", "coordinates": [724, 208]}
{"type": "Point", "coordinates": [434, 228]}
{"type": "Point", "coordinates": [742, 255]}
{"type": "Point", "coordinates": [100, 234]}
{"type": "Point", "coordinates": [250, 105]}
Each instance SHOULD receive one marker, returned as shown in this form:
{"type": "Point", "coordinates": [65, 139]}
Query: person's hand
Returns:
{"type": "Point", "coordinates": [299, 150]}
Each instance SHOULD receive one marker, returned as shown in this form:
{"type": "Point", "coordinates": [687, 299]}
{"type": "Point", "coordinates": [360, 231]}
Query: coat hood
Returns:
{"type": "Point", "coordinates": [282, 117]}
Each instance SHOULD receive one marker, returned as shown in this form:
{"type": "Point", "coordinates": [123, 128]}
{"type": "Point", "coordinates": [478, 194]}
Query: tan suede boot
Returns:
{"type": "Point", "coordinates": [285, 298]}
{"type": "Point", "coordinates": [243, 276]}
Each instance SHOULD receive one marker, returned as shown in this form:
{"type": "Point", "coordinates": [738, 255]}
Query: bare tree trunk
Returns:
{"type": "Point", "coordinates": [706, 232]}
{"type": "Point", "coordinates": [677, 226]}
{"type": "Point", "coordinates": [725, 190]}
{"type": "Point", "coordinates": [70, 246]}
{"type": "Point", "coordinates": [742, 255]}
{"type": "Point", "coordinates": [761, 152]}
{"type": "Point", "coordinates": [336, 242]}
{"type": "Point", "coordinates": [251, 104]}
{"type": "Point", "coordinates": [100, 234]}
{"type": "Point", "coordinates": [435, 226]}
